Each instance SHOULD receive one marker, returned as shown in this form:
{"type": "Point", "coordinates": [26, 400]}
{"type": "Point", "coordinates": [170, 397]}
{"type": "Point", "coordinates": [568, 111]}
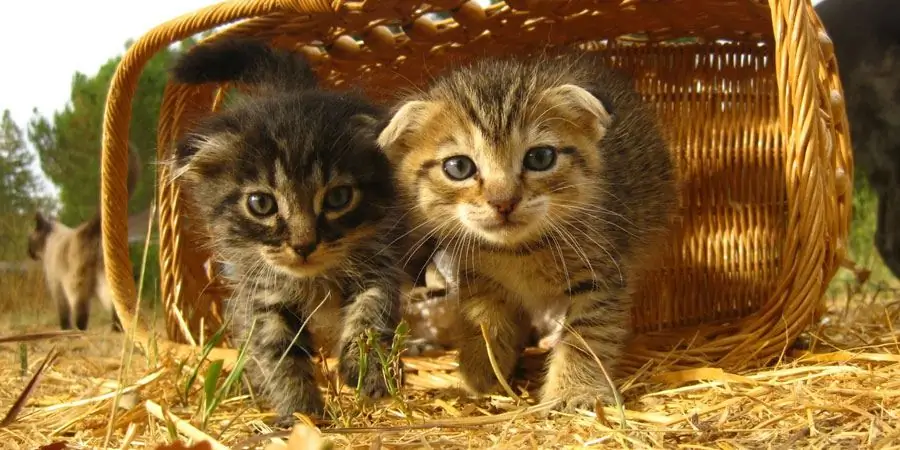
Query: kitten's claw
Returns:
{"type": "Point", "coordinates": [571, 400]}
{"type": "Point", "coordinates": [478, 383]}
{"type": "Point", "coordinates": [311, 405]}
{"type": "Point", "coordinates": [284, 422]}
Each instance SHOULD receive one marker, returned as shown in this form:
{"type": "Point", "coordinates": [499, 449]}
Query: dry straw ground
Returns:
{"type": "Point", "coordinates": [845, 393]}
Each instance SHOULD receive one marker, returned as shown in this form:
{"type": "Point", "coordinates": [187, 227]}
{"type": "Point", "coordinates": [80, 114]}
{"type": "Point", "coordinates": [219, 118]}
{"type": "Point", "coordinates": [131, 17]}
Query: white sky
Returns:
{"type": "Point", "coordinates": [45, 42]}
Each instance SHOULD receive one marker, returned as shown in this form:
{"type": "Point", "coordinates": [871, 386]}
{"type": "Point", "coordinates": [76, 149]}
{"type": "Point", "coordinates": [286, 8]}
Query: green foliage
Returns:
{"type": "Point", "coordinates": [69, 143]}
{"type": "Point", "coordinates": [861, 242]}
{"type": "Point", "coordinates": [865, 216]}
{"type": "Point", "coordinates": [19, 197]}
{"type": "Point", "coordinates": [215, 390]}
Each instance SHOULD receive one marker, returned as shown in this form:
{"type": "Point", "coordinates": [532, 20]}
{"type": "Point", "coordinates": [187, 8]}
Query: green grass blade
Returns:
{"type": "Point", "coordinates": [209, 386]}
{"type": "Point", "coordinates": [233, 376]}
{"type": "Point", "coordinates": [212, 343]}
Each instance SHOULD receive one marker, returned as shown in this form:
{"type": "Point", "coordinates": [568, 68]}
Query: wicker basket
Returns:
{"type": "Point", "coordinates": [747, 91]}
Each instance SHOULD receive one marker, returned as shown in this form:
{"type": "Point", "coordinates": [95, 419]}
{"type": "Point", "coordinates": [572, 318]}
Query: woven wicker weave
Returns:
{"type": "Point", "coordinates": [751, 104]}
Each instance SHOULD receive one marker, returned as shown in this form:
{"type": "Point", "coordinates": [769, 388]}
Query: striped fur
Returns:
{"type": "Point", "coordinates": [577, 230]}
{"type": "Point", "coordinates": [307, 276]}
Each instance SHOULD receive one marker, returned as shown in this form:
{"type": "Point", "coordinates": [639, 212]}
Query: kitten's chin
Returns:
{"type": "Point", "coordinates": [303, 271]}
{"type": "Point", "coordinates": [509, 234]}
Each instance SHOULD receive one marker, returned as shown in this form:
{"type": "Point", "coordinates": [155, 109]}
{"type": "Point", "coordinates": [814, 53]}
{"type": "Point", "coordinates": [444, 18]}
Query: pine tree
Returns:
{"type": "Point", "coordinates": [18, 190]}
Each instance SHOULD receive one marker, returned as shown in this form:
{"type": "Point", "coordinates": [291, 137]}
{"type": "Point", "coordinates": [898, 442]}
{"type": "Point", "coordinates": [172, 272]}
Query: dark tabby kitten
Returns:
{"type": "Point", "coordinates": [866, 36]}
{"type": "Point", "coordinates": [297, 197]}
{"type": "Point", "coordinates": [548, 182]}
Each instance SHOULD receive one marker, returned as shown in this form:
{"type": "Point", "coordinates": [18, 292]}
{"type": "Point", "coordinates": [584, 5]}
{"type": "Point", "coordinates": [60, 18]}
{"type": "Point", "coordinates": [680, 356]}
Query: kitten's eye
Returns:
{"type": "Point", "coordinates": [459, 167]}
{"type": "Point", "coordinates": [539, 159]}
{"type": "Point", "coordinates": [338, 197]}
{"type": "Point", "coordinates": [261, 205]}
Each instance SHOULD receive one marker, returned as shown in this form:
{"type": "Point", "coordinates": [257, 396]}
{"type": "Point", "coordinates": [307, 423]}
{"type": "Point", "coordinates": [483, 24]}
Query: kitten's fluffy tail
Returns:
{"type": "Point", "coordinates": [246, 61]}
{"type": "Point", "coordinates": [92, 228]}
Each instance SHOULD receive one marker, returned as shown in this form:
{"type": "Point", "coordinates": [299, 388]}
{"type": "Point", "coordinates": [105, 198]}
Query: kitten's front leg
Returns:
{"type": "Point", "coordinates": [375, 308]}
{"type": "Point", "coordinates": [507, 326]}
{"type": "Point", "coordinates": [574, 379]}
{"type": "Point", "coordinates": [280, 366]}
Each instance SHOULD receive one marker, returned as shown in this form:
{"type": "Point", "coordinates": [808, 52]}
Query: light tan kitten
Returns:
{"type": "Point", "coordinates": [548, 183]}
{"type": "Point", "coordinates": [72, 260]}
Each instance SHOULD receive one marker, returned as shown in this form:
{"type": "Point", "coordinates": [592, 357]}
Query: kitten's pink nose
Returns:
{"type": "Point", "coordinates": [506, 205]}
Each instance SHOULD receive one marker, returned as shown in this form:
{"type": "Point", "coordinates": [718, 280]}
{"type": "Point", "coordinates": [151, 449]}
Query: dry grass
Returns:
{"type": "Point", "coordinates": [844, 394]}
{"type": "Point", "coordinates": [24, 300]}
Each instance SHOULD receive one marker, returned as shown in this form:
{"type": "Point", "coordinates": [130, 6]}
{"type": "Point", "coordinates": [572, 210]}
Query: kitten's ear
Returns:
{"type": "Point", "coordinates": [582, 100]}
{"type": "Point", "coordinates": [408, 118]}
{"type": "Point", "coordinates": [185, 149]}
{"type": "Point", "coordinates": [213, 135]}
{"type": "Point", "coordinates": [199, 153]}
{"type": "Point", "coordinates": [366, 123]}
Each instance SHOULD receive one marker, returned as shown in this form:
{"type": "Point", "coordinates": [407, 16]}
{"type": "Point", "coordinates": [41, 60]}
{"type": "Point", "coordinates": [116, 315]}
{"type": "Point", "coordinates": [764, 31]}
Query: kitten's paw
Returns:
{"type": "Point", "coordinates": [373, 384]}
{"type": "Point", "coordinates": [573, 399]}
{"type": "Point", "coordinates": [307, 400]}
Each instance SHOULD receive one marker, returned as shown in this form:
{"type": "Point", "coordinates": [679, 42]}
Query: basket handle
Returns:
{"type": "Point", "coordinates": [814, 160]}
{"type": "Point", "coordinates": [114, 157]}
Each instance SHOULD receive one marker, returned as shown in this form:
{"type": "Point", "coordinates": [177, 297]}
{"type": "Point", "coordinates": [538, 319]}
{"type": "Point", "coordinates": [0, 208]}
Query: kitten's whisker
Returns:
{"type": "Point", "coordinates": [437, 246]}
{"type": "Point", "coordinates": [592, 206]}
{"type": "Point", "coordinates": [603, 248]}
{"type": "Point", "coordinates": [562, 257]}
{"type": "Point", "coordinates": [564, 186]}
{"type": "Point", "coordinates": [410, 231]}
{"type": "Point", "coordinates": [596, 217]}
{"type": "Point", "coordinates": [415, 247]}
{"type": "Point", "coordinates": [559, 263]}
{"type": "Point", "coordinates": [565, 235]}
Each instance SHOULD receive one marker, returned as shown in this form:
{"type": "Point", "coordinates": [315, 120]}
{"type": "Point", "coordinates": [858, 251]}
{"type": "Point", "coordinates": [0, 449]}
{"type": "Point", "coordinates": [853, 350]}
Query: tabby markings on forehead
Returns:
{"type": "Point", "coordinates": [281, 178]}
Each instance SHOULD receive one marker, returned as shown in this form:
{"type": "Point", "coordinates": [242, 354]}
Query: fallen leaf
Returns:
{"type": "Point", "coordinates": [54, 446]}
{"type": "Point", "coordinates": [303, 437]}
{"type": "Point", "coordinates": [701, 374]}
{"type": "Point", "coordinates": [178, 445]}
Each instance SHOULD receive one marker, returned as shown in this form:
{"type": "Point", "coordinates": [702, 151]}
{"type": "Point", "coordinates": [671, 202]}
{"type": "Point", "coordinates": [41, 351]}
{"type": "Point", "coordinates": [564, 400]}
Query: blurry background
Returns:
{"type": "Point", "coordinates": [58, 60]}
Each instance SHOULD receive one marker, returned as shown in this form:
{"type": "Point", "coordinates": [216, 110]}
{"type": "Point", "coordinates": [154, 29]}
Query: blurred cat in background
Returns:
{"type": "Point", "coordinates": [72, 260]}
